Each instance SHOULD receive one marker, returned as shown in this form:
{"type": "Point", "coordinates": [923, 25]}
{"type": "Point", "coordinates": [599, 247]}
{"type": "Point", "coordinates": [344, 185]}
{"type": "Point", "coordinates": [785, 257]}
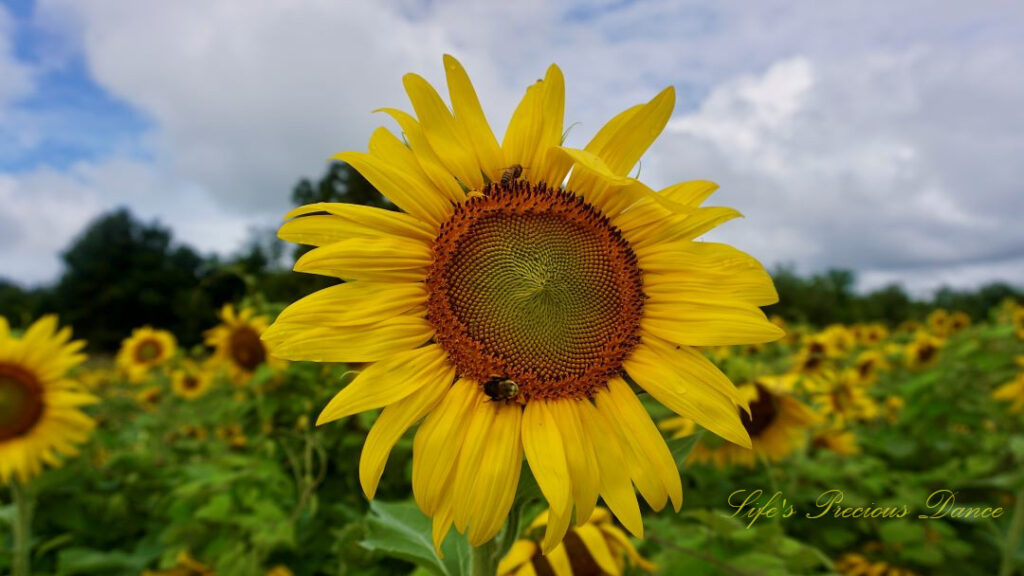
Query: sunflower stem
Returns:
{"type": "Point", "coordinates": [484, 559]}
{"type": "Point", "coordinates": [1013, 536]}
{"type": "Point", "coordinates": [22, 528]}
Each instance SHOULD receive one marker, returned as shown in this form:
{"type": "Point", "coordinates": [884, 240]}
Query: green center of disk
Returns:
{"type": "Point", "coordinates": [147, 351]}
{"type": "Point", "coordinates": [536, 287]}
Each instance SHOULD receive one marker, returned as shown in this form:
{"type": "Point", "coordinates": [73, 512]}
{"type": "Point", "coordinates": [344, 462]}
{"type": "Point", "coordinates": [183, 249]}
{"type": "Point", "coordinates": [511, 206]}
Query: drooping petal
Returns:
{"type": "Point", "coordinates": [442, 522]}
{"type": "Point", "coordinates": [635, 425]}
{"type": "Point", "coordinates": [393, 422]}
{"type": "Point", "coordinates": [436, 446]}
{"type": "Point", "coordinates": [690, 385]}
{"type": "Point", "coordinates": [469, 464]}
{"type": "Point", "coordinates": [558, 525]}
{"type": "Point", "coordinates": [495, 481]}
{"type": "Point", "coordinates": [545, 452]}
{"type": "Point", "coordinates": [616, 487]}
{"type": "Point", "coordinates": [579, 454]}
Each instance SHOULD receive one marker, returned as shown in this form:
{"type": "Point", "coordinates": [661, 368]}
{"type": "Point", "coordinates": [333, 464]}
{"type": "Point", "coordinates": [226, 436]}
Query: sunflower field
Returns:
{"type": "Point", "coordinates": [530, 359]}
{"type": "Point", "coordinates": [207, 461]}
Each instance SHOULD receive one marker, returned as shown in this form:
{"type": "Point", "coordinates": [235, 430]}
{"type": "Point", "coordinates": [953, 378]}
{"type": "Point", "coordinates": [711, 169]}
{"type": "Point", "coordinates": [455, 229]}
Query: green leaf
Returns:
{"type": "Point", "coordinates": [400, 530]}
{"type": "Point", "coordinates": [681, 447]}
{"type": "Point", "coordinates": [7, 514]}
{"type": "Point", "coordinates": [88, 561]}
{"type": "Point", "coordinates": [217, 509]}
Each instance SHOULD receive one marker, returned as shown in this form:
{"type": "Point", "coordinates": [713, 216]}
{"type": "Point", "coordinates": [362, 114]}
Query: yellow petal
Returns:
{"type": "Point", "coordinates": [452, 147]}
{"type": "Point", "coordinates": [607, 191]}
{"type": "Point", "coordinates": [702, 272]}
{"type": "Point", "coordinates": [364, 343]}
{"type": "Point", "coordinates": [383, 260]}
{"type": "Point", "coordinates": [636, 426]}
{"type": "Point", "coordinates": [392, 423]}
{"type": "Point", "coordinates": [370, 221]}
{"type": "Point", "coordinates": [408, 191]}
{"type": "Point", "coordinates": [521, 552]}
{"type": "Point", "coordinates": [439, 175]}
{"type": "Point", "coordinates": [623, 542]}
{"type": "Point", "coordinates": [593, 539]}
{"type": "Point", "coordinates": [536, 125]}
{"type": "Point", "coordinates": [478, 433]}
{"type": "Point", "coordinates": [558, 524]}
{"type": "Point", "coordinates": [470, 115]}
{"type": "Point", "coordinates": [354, 303]}
{"type": "Point", "coordinates": [674, 228]}
{"type": "Point", "coordinates": [558, 559]}
{"type": "Point", "coordinates": [495, 481]}
{"type": "Point", "coordinates": [709, 323]}
{"type": "Point", "coordinates": [314, 230]}
{"type": "Point", "coordinates": [545, 452]}
{"type": "Point", "coordinates": [579, 456]}
{"type": "Point", "coordinates": [388, 381]}
{"type": "Point", "coordinates": [442, 523]}
{"type": "Point", "coordinates": [690, 385]}
{"type": "Point", "coordinates": [616, 487]}
{"type": "Point", "coordinates": [437, 444]}
{"type": "Point", "coordinates": [692, 193]}
{"type": "Point", "coordinates": [625, 138]}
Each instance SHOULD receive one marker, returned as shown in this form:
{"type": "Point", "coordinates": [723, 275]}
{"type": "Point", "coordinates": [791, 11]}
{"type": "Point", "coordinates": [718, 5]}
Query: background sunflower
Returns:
{"type": "Point", "coordinates": [41, 415]}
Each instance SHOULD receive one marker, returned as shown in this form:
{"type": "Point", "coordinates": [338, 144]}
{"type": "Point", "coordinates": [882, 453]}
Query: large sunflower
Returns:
{"type": "Point", "coordinates": [40, 415]}
{"type": "Point", "coordinates": [237, 344]}
{"type": "Point", "coordinates": [504, 307]}
{"type": "Point", "coordinates": [145, 349]}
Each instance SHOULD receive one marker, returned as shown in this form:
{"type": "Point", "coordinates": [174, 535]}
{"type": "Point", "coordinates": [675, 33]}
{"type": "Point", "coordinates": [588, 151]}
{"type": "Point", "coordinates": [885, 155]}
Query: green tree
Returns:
{"type": "Point", "coordinates": [121, 273]}
{"type": "Point", "coordinates": [340, 183]}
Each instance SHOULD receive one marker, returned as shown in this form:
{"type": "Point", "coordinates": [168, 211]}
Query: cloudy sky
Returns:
{"type": "Point", "coordinates": [883, 137]}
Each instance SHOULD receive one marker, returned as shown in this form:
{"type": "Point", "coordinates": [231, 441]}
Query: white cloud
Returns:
{"type": "Point", "coordinates": [247, 97]}
{"type": "Point", "coordinates": [45, 209]}
{"type": "Point", "coordinates": [883, 138]}
{"type": "Point", "coordinates": [865, 163]}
